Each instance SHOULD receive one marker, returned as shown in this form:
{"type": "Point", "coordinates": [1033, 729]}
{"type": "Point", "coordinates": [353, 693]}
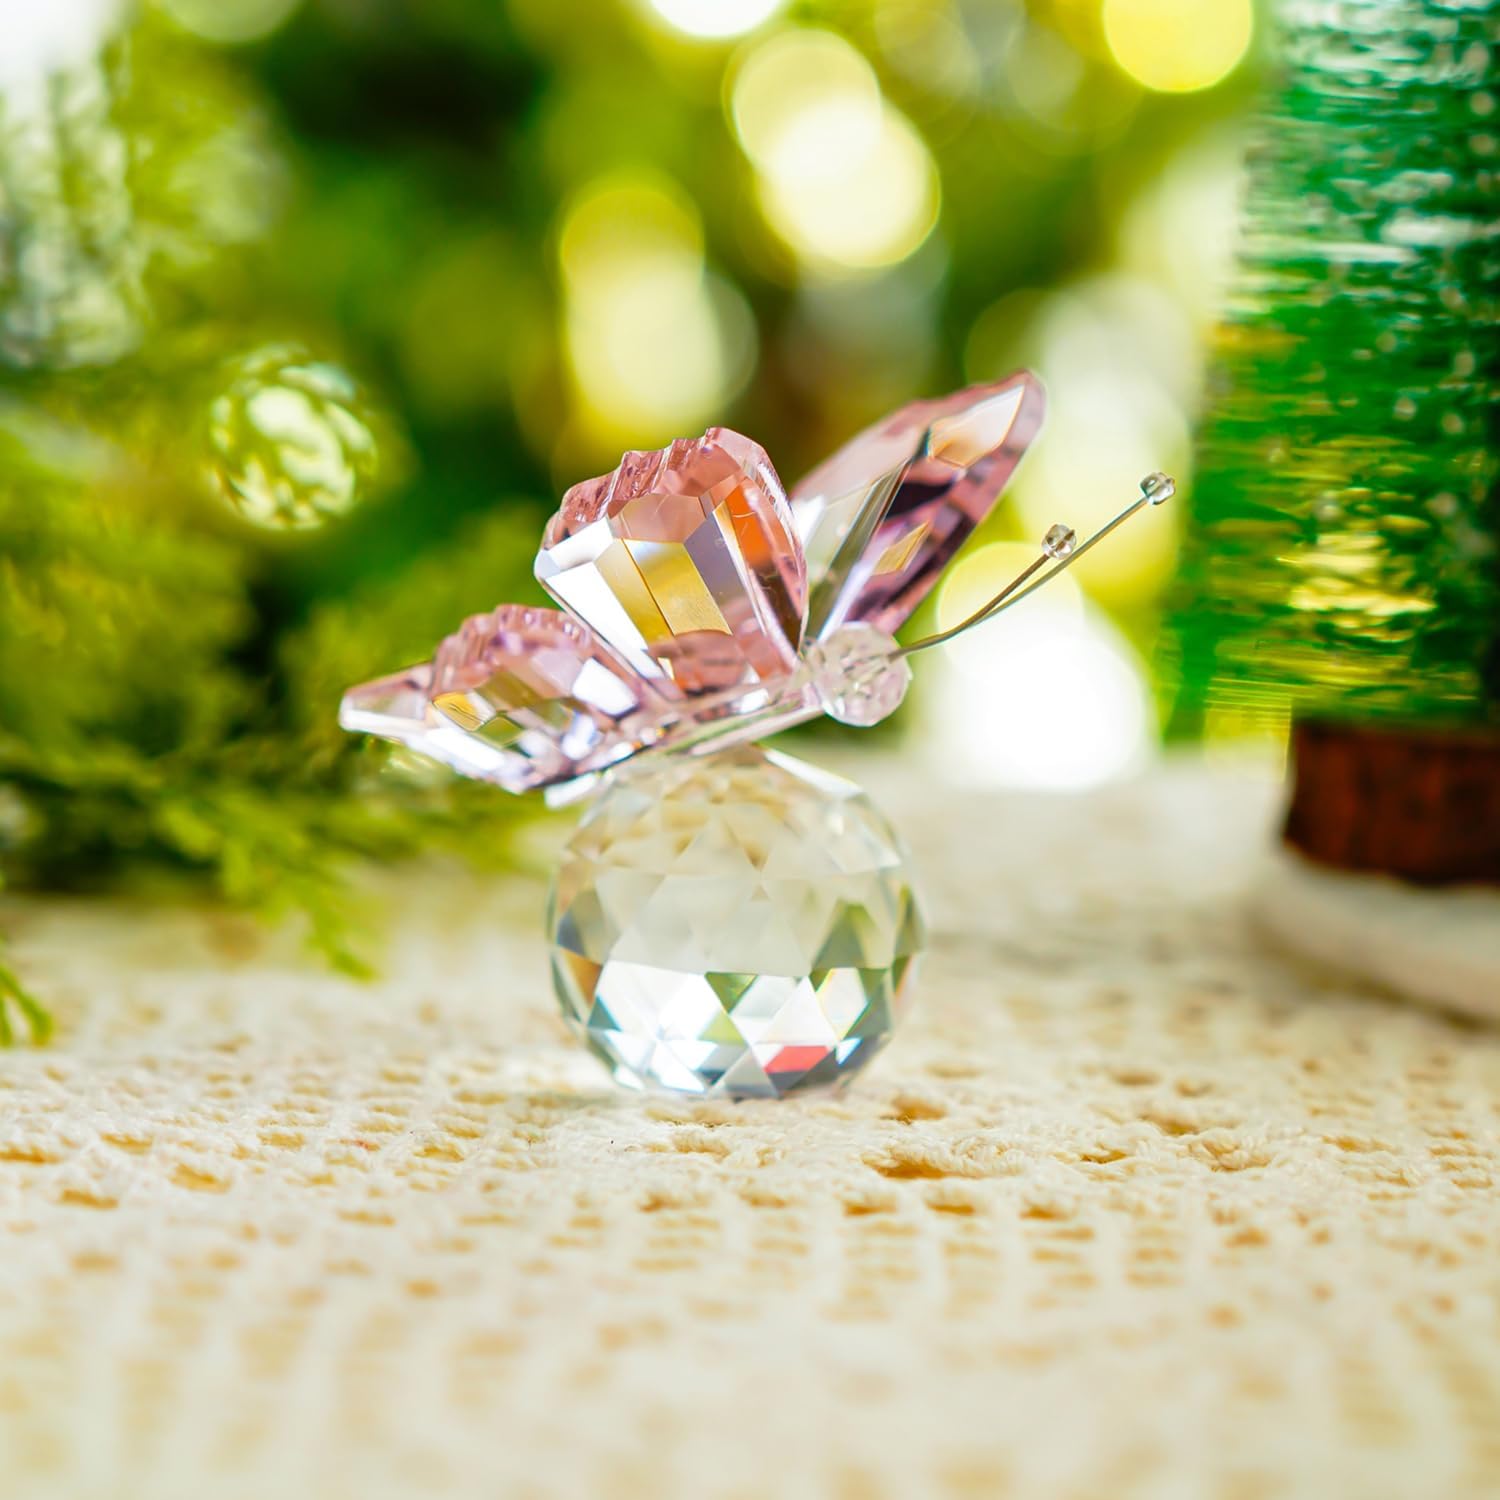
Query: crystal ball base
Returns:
{"type": "Point", "coordinates": [739, 926]}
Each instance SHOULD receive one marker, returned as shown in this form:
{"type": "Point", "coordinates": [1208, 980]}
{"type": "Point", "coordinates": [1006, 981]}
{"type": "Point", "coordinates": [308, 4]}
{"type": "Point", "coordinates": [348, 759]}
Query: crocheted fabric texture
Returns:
{"type": "Point", "coordinates": [1132, 1208]}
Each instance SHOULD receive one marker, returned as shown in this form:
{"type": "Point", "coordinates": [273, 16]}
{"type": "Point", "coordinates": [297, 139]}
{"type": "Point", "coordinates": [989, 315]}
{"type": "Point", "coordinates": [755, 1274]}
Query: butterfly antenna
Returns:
{"type": "Point", "coordinates": [1060, 547]}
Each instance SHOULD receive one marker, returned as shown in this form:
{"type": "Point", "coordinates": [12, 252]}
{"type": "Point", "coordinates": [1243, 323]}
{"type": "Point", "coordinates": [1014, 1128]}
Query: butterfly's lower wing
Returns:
{"type": "Point", "coordinates": [882, 518]}
{"type": "Point", "coordinates": [520, 697]}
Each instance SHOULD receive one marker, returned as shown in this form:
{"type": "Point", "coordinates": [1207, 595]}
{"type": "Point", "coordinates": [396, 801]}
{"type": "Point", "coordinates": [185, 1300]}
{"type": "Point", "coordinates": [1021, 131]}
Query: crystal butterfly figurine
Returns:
{"type": "Point", "coordinates": [702, 605]}
{"type": "Point", "coordinates": [724, 921]}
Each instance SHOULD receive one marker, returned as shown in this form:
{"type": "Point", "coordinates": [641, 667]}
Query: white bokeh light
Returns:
{"type": "Point", "coordinates": [1048, 696]}
{"type": "Point", "coordinates": [42, 37]}
{"type": "Point", "coordinates": [714, 19]}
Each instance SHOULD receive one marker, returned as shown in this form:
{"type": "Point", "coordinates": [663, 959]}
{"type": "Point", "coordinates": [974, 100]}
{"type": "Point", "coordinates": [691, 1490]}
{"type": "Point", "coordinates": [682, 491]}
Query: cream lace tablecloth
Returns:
{"type": "Point", "coordinates": [1131, 1208]}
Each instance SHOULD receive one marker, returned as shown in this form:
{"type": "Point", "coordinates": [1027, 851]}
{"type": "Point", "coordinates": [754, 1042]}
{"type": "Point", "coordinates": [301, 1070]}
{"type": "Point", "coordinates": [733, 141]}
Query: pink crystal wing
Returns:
{"type": "Point", "coordinates": [521, 697]}
{"type": "Point", "coordinates": [882, 518]}
{"type": "Point", "coordinates": [686, 563]}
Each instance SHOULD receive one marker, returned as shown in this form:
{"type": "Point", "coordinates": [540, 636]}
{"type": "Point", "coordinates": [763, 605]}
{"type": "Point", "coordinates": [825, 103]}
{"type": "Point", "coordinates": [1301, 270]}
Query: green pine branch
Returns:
{"type": "Point", "coordinates": [138, 736]}
{"type": "Point", "coordinates": [22, 1015]}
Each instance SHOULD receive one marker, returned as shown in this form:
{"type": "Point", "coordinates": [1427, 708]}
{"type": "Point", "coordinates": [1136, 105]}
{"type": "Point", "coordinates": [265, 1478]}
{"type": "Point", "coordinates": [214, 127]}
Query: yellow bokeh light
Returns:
{"type": "Point", "coordinates": [1182, 228]}
{"type": "Point", "coordinates": [843, 178]}
{"type": "Point", "coordinates": [619, 220]}
{"type": "Point", "coordinates": [646, 350]}
{"type": "Point", "coordinates": [656, 345]}
{"type": "Point", "coordinates": [1176, 46]}
{"type": "Point", "coordinates": [230, 21]}
{"type": "Point", "coordinates": [927, 42]}
{"type": "Point", "coordinates": [874, 213]}
{"type": "Point", "coordinates": [806, 103]}
{"type": "Point", "coordinates": [1102, 435]}
{"type": "Point", "coordinates": [1121, 368]}
{"type": "Point", "coordinates": [714, 19]}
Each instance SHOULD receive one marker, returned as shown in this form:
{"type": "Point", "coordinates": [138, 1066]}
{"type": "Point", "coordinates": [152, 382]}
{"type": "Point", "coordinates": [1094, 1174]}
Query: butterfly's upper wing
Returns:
{"type": "Point", "coordinates": [882, 518]}
{"type": "Point", "coordinates": [686, 563]}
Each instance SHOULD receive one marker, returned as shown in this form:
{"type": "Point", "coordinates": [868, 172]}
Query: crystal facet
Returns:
{"type": "Point", "coordinates": [521, 697]}
{"type": "Point", "coordinates": [740, 925]}
{"type": "Point", "coordinates": [880, 520]}
{"type": "Point", "coordinates": [685, 562]}
{"type": "Point", "coordinates": [858, 674]}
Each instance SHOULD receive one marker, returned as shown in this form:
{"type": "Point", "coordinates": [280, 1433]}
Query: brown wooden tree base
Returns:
{"type": "Point", "coordinates": [1422, 804]}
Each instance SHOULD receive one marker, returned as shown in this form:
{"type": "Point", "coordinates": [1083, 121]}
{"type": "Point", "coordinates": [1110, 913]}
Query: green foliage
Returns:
{"type": "Point", "coordinates": [196, 551]}
{"type": "Point", "coordinates": [140, 725]}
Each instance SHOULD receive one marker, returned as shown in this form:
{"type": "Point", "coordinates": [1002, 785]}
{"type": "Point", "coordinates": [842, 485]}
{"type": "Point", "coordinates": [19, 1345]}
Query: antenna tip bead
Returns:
{"type": "Point", "coordinates": [1158, 488]}
{"type": "Point", "coordinates": [1059, 541]}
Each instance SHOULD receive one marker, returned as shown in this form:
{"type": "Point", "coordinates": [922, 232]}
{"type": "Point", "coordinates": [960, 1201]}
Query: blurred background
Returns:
{"type": "Point", "coordinates": [309, 309]}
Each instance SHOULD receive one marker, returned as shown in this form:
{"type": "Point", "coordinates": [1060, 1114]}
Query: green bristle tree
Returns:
{"type": "Point", "coordinates": [1342, 555]}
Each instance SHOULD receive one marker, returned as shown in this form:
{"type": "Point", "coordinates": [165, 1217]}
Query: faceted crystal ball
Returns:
{"type": "Point", "coordinates": [740, 926]}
